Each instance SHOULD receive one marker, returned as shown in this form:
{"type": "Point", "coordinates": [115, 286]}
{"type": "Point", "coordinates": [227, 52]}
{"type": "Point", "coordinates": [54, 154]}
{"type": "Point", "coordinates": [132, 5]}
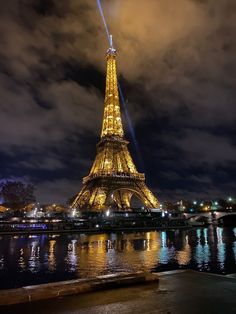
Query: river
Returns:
{"type": "Point", "coordinates": [34, 259]}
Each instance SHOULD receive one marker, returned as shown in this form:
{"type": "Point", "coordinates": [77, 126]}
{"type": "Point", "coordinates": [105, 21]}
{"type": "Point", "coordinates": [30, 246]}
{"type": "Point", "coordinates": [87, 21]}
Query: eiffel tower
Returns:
{"type": "Point", "coordinates": [113, 178]}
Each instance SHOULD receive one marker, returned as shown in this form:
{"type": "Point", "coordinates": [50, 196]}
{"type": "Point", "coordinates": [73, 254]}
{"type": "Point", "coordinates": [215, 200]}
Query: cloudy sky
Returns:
{"type": "Point", "coordinates": [177, 68]}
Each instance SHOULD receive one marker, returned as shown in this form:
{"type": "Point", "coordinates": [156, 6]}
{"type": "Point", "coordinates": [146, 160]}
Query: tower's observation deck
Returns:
{"type": "Point", "coordinates": [113, 178]}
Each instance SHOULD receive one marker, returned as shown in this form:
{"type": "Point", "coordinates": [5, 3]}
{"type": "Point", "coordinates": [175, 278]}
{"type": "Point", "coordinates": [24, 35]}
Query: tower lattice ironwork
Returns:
{"type": "Point", "coordinates": [113, 178]}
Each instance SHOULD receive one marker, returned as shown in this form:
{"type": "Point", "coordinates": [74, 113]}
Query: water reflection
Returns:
{"type": "Point", "coordinates": [183, 256]}
{"type": "Point", "coordinates": [51, 256]}
{"type": "Point", "coordinates": [34, 263]}
{"type": "Point", "coordinates": [80, 255]}
{"type": "Point", "coordinates": [72, 256]}
{"type": "Point", "coordinates": [1, 262]}
{"type": "Point", "coordinates": [21, 260]}
{"type": "Point", "coordinates": [220, 247]}
{"type": "Point", "coordinates": [202, 251]}
{"type": "Point", "coordinates": [234, 245]}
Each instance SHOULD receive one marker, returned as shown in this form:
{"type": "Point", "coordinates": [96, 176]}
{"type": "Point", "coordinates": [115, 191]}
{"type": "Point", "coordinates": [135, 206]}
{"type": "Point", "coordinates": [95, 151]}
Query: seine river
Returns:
{"type": "Point", "coordinates": [33, 259]}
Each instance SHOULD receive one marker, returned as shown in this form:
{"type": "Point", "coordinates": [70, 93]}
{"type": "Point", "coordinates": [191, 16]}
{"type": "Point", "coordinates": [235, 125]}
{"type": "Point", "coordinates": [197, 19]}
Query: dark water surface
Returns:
{"type": "Point", "coordinates": [33, 259]}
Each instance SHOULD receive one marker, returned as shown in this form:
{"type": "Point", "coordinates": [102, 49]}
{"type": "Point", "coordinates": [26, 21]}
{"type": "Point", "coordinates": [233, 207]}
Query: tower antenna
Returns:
{"type": "Point", "coordinates": [111, 41]}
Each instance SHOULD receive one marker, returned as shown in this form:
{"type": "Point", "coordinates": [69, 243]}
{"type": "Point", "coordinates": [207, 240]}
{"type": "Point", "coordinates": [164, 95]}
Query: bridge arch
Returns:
{"type": "Point", "coordinates": [214, 217]}
{"type": "Point", "coordinates": [227, 220]}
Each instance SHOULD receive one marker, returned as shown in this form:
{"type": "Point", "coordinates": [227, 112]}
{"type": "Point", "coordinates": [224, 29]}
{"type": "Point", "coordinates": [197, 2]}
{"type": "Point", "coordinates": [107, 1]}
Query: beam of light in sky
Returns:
{"type": "Point", "coordinates": [130, 126]}
{"type": "Point", "coordinates": [103, 19]}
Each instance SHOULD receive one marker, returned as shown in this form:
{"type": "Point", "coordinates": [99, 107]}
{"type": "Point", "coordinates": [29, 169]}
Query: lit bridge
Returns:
{"type": "Point", "coordinates": [210, 217]}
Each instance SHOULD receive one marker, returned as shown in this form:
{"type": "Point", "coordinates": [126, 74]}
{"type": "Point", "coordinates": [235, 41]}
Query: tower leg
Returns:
{"type": "Point", "coordinates": [99, 197]}
{"type": "Point", "coordinates": [146, 196]}
{"type": "Point", "coordinates": [122, 198]}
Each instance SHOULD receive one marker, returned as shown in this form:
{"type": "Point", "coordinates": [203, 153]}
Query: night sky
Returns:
{"type": "Point", "coordinates": [177, 67]}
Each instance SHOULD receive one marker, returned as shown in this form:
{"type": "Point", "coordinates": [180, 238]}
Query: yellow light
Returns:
{"type": "Point", "coordinates": [113, 159]}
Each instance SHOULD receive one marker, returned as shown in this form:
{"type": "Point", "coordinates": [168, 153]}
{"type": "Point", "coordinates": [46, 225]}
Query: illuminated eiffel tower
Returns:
{"type": "Point", "coordinates": [113, 178]}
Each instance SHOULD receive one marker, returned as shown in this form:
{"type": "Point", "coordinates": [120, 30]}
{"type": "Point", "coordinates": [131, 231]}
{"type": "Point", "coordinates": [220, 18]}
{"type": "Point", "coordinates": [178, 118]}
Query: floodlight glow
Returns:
{"type": "Point", "coordinates": [103, 19]}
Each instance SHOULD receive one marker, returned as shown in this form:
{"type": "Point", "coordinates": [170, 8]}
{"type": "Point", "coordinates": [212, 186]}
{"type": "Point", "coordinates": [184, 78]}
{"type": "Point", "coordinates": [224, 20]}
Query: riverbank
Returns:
{"type": "Point", "coordinates": [179, 292]}
{"type": "Point", "coordinates": [92, 223]}
{"type": "Point", "coordinates": [64, 288]}
{"type": "Point", "coordinates": [92, 230]}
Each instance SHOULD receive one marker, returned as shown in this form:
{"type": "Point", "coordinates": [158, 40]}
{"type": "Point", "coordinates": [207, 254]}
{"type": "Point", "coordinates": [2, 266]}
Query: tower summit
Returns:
{"type": "Point", "coordinates": [113, 178]}
{"type": "Point", "coordinates": [112, 124]}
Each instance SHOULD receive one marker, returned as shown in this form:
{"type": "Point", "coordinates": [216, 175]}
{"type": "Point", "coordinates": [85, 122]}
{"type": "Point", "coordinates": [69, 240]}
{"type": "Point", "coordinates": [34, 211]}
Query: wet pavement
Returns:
{"type": "Point", "coordinates": [177, 292]}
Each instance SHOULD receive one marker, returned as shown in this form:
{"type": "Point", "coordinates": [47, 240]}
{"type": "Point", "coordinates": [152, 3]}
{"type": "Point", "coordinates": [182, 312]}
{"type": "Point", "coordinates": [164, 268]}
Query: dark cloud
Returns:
{"type": "Point", "coordinates": [178, 72]}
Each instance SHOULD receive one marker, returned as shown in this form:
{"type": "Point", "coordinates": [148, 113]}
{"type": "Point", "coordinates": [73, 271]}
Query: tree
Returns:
{"type": "Point", "coordinates": [17, 194]}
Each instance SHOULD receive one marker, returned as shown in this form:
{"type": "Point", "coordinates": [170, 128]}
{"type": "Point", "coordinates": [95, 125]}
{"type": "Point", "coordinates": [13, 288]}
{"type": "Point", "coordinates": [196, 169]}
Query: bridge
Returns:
{"type": "Point", "coordinates": [210, 217]}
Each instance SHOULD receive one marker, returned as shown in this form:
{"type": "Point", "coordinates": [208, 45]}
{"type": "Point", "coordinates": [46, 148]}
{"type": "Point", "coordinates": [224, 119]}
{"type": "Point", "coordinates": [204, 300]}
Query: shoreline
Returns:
{"type": "Point", "coordinates": [52, 293]}
{"type": "Point", "coordinates": [96, 230]}
{"type": "Point", "coordinates": [52, 290]}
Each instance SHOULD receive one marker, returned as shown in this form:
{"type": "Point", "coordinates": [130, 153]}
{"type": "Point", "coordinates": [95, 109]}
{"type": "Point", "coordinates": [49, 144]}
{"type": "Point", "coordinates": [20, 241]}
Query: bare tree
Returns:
{"type": "Point", "coordinates": [16, 194]}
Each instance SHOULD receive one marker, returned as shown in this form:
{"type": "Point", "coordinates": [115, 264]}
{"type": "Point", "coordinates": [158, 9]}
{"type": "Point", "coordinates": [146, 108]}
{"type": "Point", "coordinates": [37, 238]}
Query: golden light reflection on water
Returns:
{"type": "Point", "coordinates": [95, 254]}
{"type": "Point", "coordinates": [90, 255]}
{"type": "Point", "coordinates": [151, 245]}
{"type": "Point", "coordinates": [51, 256]}
{"type": "Point", "coordinates": [183, 257]}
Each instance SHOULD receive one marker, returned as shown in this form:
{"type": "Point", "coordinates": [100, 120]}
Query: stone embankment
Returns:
{"type": "Point", "coordinates": [64, 288]}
